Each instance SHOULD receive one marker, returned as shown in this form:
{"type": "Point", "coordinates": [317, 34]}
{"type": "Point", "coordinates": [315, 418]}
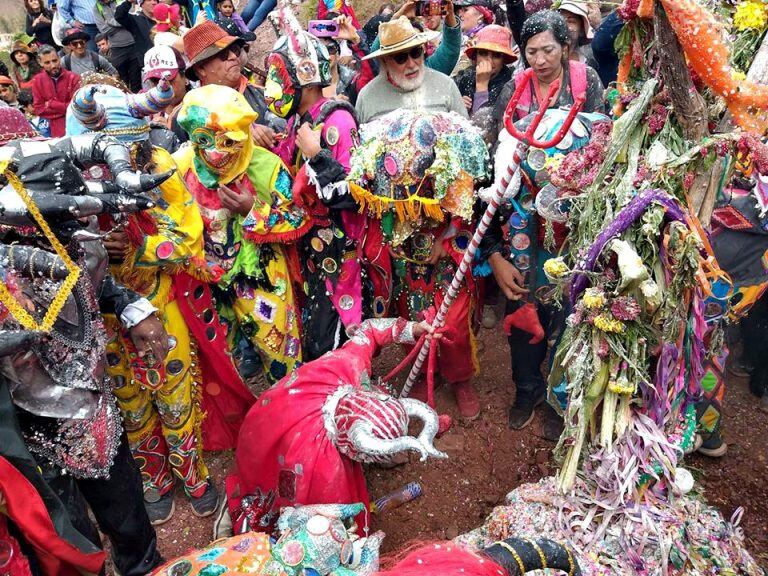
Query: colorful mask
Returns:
{"type": "Point", "coordinates": [280, 92]}
{"type": "Point", "coordinates": [218, 120]}
{"type": "Point", "coordinates": [313, 540]}
{"type": "Point", "coordinates": [298, 58]}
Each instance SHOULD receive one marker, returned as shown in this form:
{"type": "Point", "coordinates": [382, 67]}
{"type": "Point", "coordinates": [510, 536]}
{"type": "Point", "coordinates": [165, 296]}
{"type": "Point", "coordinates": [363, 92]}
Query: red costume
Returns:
{"type": "Point", "coordinates": [51, 98]}
{"type": "Point", "coordinates": [303, 440]}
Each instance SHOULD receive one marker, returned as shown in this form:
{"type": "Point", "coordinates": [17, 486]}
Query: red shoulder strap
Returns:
{"type": "Point", "coordinates": [578, 77]}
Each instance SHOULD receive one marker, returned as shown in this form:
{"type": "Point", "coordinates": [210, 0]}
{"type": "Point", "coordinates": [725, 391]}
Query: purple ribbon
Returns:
{"type": "Point", "coordinates": [623, 220]}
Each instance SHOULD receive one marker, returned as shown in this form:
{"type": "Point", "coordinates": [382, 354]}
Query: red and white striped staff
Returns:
{"type": "Point", "coordinates": [525, 141]}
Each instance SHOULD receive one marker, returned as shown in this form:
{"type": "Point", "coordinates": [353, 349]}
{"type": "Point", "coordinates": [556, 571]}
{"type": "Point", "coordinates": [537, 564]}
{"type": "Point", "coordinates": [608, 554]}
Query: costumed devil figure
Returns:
{"type": "Point", "coordinates": [159, 254]}
{"type": "Point", "coordinates": [310, 433]}
{"type": "Point", "coordinates": [32, 513]}
{"type": "Point", "coordinates": [244, 194]}
{"type": "Point", "coordinates": [533, 234]}
{"type": "Point", "coordinates": [317, 540]}
{"type": "Point", "coordinates": [59, 386]}
{"type": "Point", "coordinates": [321, 135]}
{"type": "Point", "coordinates": [414, 173]}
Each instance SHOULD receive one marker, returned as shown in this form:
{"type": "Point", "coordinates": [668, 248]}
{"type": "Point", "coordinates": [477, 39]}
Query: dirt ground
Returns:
{"type": "Point", "coordinates": [487, 460]}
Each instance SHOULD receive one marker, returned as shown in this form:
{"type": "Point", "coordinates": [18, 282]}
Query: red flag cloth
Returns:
{"type": "Point", "coordinates": [26, 509]}
{"type": "Point", "coordinates": [225, 397]}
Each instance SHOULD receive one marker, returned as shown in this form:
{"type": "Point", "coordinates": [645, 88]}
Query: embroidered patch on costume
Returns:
{"type": "Point", "coordinates": [326, 235]}
{"type": "Point", "coordinates": [290, 319]}
{"type": "Point", "coordinates": [264, 309]}
{"type": "Point", "coordinates": [243, 545]}
{"type": "Point", "coordinates": [521, 241]}
{"type": "Point", "coordinates": [731, 218]}
{"type": "Point", "coordinates": [709, 419]}
{"type": "Point", "coordinates": [332, 136]}
{"type": "Point", "coordinates": [317, 244]}
{"type": "Point", "coordinates": [180, 568]}
{"type": "Point", "coordinates": [211, 555]}
{"type": "Point", "coordinates": [293, 553]}
{"type": "Point", "coordinates": [292, 347]}
{"type": "Point", "coordinates": [379, 308]}
{"type": "Point", "coordinates": [460, 242]}
{"type": "Point", "coordinates": [164, 250]}
{"type": "Point", "coordinates": [329, 265]}
{"type": "Point", "coordinates": [213, 570]}
{"type": "Point", "coordinates": [274, 339]}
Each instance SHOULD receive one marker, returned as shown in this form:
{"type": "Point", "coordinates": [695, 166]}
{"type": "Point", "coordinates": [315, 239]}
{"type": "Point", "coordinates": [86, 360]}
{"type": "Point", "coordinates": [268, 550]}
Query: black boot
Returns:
{"type": "Point", "coordinates": [521, 412]}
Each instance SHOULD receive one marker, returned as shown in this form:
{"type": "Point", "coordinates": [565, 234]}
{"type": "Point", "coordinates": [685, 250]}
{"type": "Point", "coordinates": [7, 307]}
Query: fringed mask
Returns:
{"type": "Point", "coordinates": [281, 91]}
{"type": "Point", "coordinates": [297, 59]}
{"type": "Point", "coordinates": [220, 135]}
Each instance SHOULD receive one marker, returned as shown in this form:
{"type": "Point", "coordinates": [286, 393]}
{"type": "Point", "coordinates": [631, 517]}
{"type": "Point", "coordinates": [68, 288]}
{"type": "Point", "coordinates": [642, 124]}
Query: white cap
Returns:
{"type": "Point", "coordinates": [158, 60]}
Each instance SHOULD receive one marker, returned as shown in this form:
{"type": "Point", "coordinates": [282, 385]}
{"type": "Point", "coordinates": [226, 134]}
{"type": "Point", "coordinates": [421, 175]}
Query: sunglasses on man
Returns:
{"type": "Point", "coordinates": [77, 43]}
{"type": "Point", "coordinates": [414, 54]}
{"type": "Point", "coordinates": [235, 49]}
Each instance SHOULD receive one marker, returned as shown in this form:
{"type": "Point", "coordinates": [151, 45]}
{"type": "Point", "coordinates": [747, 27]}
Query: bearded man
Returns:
{"type": "Point", "coordinates": [404, 81]}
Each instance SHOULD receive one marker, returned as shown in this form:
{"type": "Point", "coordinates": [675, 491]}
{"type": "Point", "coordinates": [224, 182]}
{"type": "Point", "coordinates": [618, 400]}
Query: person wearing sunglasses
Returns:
{"type": "Point", "coordinates": [404, 80]}
{"type": "Point", "coordinates": [215, 58]}
{"type": "Point", "coordinates": [80, 59]}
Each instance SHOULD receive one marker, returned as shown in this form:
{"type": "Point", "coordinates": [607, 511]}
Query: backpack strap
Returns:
{"type": "Point", "coordinates": [68, 62]}
{"type": "Point", "coordinates": [96, 64]}
{"type": "Point", "coordinates": [578, 78]}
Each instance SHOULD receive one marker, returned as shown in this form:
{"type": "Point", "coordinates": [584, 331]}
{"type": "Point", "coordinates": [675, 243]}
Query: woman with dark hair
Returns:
{"type": "Point", "coordinates": [39, 20]}
{"type": "Point", "coordinates": [516, 262]}
{"type": "Point", "coordinates": [544, 47]}
{"type": "Point", "coordinates": [25, 64]}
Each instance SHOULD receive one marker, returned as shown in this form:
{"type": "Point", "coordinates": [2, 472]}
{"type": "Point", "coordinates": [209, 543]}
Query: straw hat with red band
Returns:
{"type": "Point", "coordinates": [578, 8]}
{"type": "Point", "coordinates": [5, 81]}
{"type": "Point", "coordinates": [493, 38]}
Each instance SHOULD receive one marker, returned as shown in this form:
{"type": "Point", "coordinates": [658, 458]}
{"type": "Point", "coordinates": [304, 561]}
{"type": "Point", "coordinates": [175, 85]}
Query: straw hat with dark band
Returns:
{"type": "Point", "coordinates": [399, 35]}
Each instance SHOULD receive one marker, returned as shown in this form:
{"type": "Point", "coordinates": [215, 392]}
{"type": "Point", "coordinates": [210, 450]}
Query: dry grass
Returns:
{"type": "Point", "coordinates": [11, 16]}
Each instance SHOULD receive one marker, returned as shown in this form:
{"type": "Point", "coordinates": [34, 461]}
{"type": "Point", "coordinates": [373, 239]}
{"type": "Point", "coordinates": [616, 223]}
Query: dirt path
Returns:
{"type": "Point", "coordinates": [487, 460]}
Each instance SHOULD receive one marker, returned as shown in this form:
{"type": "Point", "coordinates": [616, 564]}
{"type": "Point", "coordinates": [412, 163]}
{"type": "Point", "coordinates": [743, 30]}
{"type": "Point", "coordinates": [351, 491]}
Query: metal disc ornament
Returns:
{"type": "Point", "coordinates": [566, 142]}
{"type": "Point", "coordinates": [550, 206]}
{"type": "Point", "coordinates": [536, 159]}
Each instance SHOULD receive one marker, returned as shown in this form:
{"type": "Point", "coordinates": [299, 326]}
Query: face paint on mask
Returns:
{"type": "Point", "coordinates": [279, 90]}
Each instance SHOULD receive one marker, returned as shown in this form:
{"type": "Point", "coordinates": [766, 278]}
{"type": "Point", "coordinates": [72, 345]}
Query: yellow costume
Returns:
{"type": "Point", "coordinates": [161, 404]}
{"type": "Point", "coordinates": [256, 292]}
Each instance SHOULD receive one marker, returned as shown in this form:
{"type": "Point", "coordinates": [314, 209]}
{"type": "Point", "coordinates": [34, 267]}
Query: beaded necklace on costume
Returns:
{"type": "Point", "coordinates": [7, 299]}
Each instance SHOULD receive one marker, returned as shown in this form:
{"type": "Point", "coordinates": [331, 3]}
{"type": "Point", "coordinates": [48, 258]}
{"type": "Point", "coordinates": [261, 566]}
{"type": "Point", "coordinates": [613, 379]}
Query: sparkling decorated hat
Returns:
{"type": "Point", "coordinates": [306, 57]}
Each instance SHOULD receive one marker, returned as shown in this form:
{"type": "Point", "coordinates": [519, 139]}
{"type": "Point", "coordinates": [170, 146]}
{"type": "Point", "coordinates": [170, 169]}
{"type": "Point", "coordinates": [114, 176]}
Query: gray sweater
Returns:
{"type": "Point", "coordinates": [89, 64]}
{"type": "Point", "coordinates": [104, 14]}
{"type": "Point", "coordinates": [438, 93]}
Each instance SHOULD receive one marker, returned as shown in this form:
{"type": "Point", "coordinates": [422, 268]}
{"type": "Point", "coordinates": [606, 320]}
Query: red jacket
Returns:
{"type": "Point", "coordinates": [51, 100]}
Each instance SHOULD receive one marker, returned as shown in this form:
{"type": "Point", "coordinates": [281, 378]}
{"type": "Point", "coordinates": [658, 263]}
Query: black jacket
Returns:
{"type": "Point", "coordinates": [138, 25]}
